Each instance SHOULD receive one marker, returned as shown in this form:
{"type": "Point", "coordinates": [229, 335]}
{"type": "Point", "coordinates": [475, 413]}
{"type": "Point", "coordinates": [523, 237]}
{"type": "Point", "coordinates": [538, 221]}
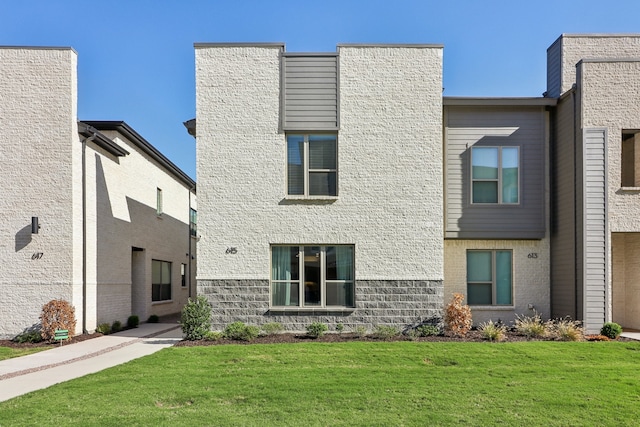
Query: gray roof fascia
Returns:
{"type": "Point", "coordinates": [239, 44]}
{"type": "Point", "coordinates": [295, 54]}
{"type": "Point", "coordinates": [607, 60]}
{"type": "Point", "coordinates": [101, 140]}
{"type": "Point", "coordinates": [394, 45]}
{"type": "Point", "coordinates": [486, 101]}
{"type": "Point", "coordinates": [133, 136]}
{"type": "Point", "coordinates": [40, 48]}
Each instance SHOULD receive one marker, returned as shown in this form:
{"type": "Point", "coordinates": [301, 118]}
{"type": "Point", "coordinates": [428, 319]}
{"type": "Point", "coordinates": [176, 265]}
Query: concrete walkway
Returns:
{"type": "Point", "coordinates": [631, 335]}
{"type": "Point", "coordinates": [22, 375]}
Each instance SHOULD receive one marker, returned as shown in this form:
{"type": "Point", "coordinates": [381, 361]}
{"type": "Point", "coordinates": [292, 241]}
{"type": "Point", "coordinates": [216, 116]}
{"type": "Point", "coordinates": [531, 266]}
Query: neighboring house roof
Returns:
{"type": "Point", "coordinates": [133, 136]}
{"type": "Point", "coordinates": [101, 140]}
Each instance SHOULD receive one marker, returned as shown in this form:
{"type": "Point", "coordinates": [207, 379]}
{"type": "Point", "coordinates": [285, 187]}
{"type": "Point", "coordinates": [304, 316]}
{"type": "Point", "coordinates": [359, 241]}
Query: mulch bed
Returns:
{"type": "Point", "coordinates": [72, 340]}
{"type": "Point", "coordinates": [290, 338]}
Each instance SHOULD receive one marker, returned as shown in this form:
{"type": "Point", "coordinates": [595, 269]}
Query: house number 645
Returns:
{"type": "Point", "coordinates": [533, 255]}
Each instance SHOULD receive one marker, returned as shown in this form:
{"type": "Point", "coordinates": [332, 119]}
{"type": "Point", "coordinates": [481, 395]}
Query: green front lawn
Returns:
{"type": "Point", "coordinates": [359, 383]}
{"type": "Point", "coordinates": [8, 352]}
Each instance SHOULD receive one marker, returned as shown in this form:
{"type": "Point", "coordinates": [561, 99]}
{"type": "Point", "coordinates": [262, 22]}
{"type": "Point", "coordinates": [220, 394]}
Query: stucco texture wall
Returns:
{"type": "Point", "coordinates": [37, 137]}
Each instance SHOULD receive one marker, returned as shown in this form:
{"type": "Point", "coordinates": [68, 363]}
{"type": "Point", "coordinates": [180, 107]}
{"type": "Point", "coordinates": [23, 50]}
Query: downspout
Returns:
{"type": "Point", "coordinates": [84, 231]}
{"type": "Point", "coordinates": [189, 241]}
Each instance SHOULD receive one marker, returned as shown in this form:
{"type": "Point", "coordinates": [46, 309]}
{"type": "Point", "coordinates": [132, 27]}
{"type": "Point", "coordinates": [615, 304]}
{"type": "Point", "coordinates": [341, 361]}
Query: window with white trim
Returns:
{"type": "Point", "coordinates": [495, 175]}
{"type": "Point", "coordinates": [312, 165]}
{"type": "Point", "coordinates": [312, 276]}
{"type": "Point", "coordinates": [489, 277]}
{"type": "Point", "coordinates": [160, 280]}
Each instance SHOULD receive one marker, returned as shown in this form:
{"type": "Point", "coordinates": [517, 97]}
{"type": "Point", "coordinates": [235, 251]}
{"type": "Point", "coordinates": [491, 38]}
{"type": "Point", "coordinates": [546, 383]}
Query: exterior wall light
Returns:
{"type": "Point", "coordinates": [35, 225]}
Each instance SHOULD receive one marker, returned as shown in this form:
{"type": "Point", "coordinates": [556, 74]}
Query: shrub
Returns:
{"type": "Point", "coordinates": [195, 318]}
{"type": "Point", "coordinates": [611, 330]}
{"type": "Point", "coordinates": [566, 330]}
{"type": "Point", "coordinates": [241, 332]}
{"type": "Point", "coordinates": [412, 334]}
{"type": "Point", "coordinates": [339, 328]}
{"type": "Point", "coordinates": [457, 317]}
{"type": "Point", "coordinates": [213, 336]}
{"type": "Point", "coordinates": [57, 314]}
{"type": "Point", "coordinates": [272, 328]}
{"type": "Point", "coordinates": [316, 329]}
{"type": "Point", "coordinates": [531, 327]}
{"type": "Point", "coordinates": [360, 331]}
{"type": "Point", "coordinates": [385, 332]}
{"type": "Point", "coordinates": [29, 336]}
{"type": "Point", "coordinates": [153, 319]}
{"type": "Point", "coordinates": [427, 330]}
{"type": "Point", "coordinates": [492, 331]}
{"type": "Point", "coordinates": [104, 328]}
{"type": "Point", "coordinates": [116, 326]}
{"type": "Point", "coordinates": [133, 321]}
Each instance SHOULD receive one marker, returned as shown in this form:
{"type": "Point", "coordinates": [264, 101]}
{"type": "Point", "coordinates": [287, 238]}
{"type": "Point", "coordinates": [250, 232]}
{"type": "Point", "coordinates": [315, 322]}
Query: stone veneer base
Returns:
{"type": "Point", "coordinates": [398, 303]}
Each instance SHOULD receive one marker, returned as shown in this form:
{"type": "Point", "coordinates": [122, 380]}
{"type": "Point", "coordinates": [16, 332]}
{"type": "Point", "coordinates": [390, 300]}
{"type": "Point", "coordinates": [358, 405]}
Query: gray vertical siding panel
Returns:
{"type": "Point", "coordinates": [495, 126]}
{"type": "Point", "coordinates": [554, 69]}
{"type": "Point", "coordinates": [594, 229]}
{"type": "Point", "coordinates": [563, 213]}
{"type": "Point", "coordinates": [310, 92]}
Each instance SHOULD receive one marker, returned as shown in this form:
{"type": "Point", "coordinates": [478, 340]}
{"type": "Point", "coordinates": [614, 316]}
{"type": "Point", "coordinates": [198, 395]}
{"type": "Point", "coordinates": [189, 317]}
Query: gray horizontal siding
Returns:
{"type": "Point", "coordinates": [310, 92]}
{"type": "Point", "coordinates": [595, 229]}
{"type": "Point", "coordinates": [495, 126]}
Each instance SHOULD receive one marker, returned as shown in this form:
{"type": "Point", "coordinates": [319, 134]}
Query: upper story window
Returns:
{"type": "Point", "coordinates": [312, 276]}
{"type": "Point", "coordinates": [159, 201]}
{"type": "Point", "coordinates": [193, 222]}
{"type": "Point", "coordinates": [312, 165]}
{"type": "Point", "coordinates": [630, 162]}
{"type": "Point", "coordinates": [495, 175]}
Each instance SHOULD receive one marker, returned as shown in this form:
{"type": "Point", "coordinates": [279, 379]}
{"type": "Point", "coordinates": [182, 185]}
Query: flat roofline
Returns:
{"type": "Point", "coordinates": [239, 44]}
{"type": "Point", "coordinates": [40, 48]}
{"type": "Point", "coordinates": [607, 60]}
{"type": "Point", "coordinates": [133, 136]}
{"type": "Point", "coordinates": [402, 45]}
{"type": "Point", "coordinates": [495, 101]}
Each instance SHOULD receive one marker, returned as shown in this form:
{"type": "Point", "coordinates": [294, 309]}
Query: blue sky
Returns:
{"type": "Point", "coordinates": [136, 58]}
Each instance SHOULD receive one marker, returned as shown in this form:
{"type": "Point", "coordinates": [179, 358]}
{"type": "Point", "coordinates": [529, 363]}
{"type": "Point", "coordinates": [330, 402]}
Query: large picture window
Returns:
{"type": "Point", "coordinates": [489, 277]}
{"type": "Point", "coordinates": [312, 165]}
{"type": "Point", "coordinates": [495, 175]}
{"type": "Point", "coordinates": [312, 276]}
{"type": "Point", "coordinates": [160, 280]}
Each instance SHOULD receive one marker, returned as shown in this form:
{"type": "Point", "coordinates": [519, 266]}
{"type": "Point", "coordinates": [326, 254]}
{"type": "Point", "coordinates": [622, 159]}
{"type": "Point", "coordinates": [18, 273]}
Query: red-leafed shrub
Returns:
{"type": "Point", "coordinates": [57, 314]}
{"type": "Point", "coordinates": [457, 317]}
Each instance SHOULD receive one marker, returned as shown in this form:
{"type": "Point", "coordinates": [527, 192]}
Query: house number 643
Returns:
{"type": "Point", "coordinates": [533, 255]}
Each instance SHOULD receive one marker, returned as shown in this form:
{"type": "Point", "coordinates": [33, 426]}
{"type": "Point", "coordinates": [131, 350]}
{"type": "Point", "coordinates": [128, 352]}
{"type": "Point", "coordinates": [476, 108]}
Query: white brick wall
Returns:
{"type": "Point", "coordinates": [124, 214]}
{"type": "Point", "coordinates": [585, 46]}
{"type": "Point", "coordinates": [37, 112]}
{"type": "Point", "coordinates": [390, 169]}
{"type": "Point", "coordinates": [530, 277]}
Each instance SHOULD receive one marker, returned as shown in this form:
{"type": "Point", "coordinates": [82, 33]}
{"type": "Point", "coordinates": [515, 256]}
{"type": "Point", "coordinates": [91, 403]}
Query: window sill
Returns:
{"type": "Point", "coordinates": [630, 189]}
{"type": "Point", "coordinates": [295, 197]}
{"type": "Point", "coordinates": [290, 200]}
{"type": "Point", "coordinates": [169, 301]}
{"type": "Point", "coordinates": [492, 307]}
{"type": "Point", "coordinates": [311, 310]}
